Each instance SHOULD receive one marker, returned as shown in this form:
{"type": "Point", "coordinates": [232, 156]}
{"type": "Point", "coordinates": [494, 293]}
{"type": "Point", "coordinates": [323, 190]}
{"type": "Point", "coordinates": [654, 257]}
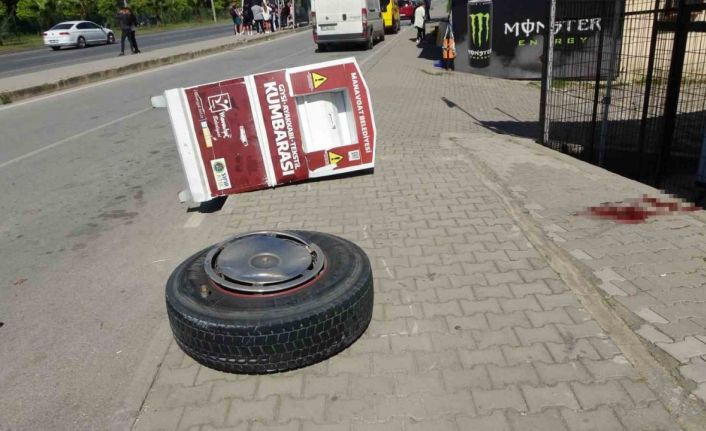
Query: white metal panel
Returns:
{"type": "Point", "coordinates": [187, 144]}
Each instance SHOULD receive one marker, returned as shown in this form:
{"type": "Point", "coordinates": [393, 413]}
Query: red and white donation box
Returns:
{"type": "Point", "coordinates": [272, 128]}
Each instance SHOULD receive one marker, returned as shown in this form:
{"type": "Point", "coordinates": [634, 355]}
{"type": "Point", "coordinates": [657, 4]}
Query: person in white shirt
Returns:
{"type": "Point", "coordinates": [419, 17]}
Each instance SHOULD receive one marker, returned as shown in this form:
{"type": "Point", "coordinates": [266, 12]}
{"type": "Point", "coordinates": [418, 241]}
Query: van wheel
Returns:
{"type": "Point", "coordinates": [382, 35]}
{"type": "Point", "coordinates": [370, 43]}
{"type": "Point", "coordinates": [397, 27]}
{"type": "Point", "coordinates": [268, 302]}
{"type": "Point", "coordinates": [321, 47]}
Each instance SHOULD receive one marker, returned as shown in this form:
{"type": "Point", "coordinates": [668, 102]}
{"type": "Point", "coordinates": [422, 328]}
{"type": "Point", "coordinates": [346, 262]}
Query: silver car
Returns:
{"type": "Point", "coordinates": [78, 34]}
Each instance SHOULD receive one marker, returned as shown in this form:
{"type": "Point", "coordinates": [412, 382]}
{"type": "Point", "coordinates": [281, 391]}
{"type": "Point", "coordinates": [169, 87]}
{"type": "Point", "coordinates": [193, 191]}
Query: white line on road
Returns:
{"type": "Point", "coordinates": [382, 49]}
{"type": "Point", "coordinates": [194, 221]}
{"type": "Point", "coordinates": [144, 72]}
{"type": "Point", "coordinates": [86, 132]}
{"type": "Point", "coordinates": [70, 138]}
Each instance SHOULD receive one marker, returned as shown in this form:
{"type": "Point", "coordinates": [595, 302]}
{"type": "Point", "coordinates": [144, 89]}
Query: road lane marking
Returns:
{"type": "Point", "coordinates": [70, 138]}
{"type": "Point", "coordinates": [157, 69]}
{"type": "Point", "coordinates": [386, 48]}
{"type": "Point", "coordinates": [110, 123]}
{"type": "Point", "coordinates": [194, 221]}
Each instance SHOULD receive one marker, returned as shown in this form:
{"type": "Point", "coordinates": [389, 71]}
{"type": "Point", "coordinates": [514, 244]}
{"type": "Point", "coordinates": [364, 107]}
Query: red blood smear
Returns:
{"type": "Point", "coordinates": [623, 214]}
{"type": "Point", "coordinates": [636, 213]}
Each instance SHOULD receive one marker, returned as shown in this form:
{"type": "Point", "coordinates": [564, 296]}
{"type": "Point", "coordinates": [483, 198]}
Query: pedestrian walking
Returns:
{"type": "Point", "coordinates": [128, 24]}
{"type": "Point", "coordinates": [237, 17]}
{"type": "Point", "coordinates": [258, 17]}
{"type": "Point", "coordinates": [419, 15]}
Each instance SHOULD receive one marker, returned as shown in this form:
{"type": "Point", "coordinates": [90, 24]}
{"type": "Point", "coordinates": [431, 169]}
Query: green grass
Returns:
{"type": "Point", "coordinates": [26, 42]}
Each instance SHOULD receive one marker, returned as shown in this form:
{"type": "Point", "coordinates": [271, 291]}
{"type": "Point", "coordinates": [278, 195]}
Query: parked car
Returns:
{"type": "Point", "coordinates": [78, 34]}
{"type": "Point", "coordinates": [406, 9]}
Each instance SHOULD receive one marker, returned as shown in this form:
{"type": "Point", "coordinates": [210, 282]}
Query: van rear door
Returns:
{"type": "Point", "coordinates": [339, 16]}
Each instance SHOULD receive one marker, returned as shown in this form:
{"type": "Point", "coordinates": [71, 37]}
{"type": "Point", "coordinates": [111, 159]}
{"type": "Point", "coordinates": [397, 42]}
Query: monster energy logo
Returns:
{"type": "Point", "coordinates": [480, 22]}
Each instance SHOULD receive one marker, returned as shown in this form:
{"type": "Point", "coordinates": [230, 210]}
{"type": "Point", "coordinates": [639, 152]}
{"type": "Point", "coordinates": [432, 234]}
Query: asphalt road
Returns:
{"type": "Point", "coordinates": [92, 228]}
{"type": "Point", "coordinates": [43, 58]}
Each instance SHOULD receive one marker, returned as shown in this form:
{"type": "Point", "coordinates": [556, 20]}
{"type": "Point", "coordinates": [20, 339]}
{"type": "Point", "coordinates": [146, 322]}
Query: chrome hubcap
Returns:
{"type": "Point", "coordinates": [264, 262]}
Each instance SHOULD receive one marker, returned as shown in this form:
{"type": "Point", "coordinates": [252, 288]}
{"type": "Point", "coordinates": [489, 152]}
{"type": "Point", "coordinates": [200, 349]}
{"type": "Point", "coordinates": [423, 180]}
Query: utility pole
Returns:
{"type": "Point", "coordinates": [213, 9]}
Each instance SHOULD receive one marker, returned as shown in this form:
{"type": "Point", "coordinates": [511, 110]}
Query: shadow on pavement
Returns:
{"type": "Point", "coordinates": [516, 127]}
{"type": "Point", "coordinates": [209, 207]}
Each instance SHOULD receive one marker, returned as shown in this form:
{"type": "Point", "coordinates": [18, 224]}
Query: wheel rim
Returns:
{"type": "Point", "coordinates": [81, 42]}
{"type": "Point", "coordinates": [264, 262]}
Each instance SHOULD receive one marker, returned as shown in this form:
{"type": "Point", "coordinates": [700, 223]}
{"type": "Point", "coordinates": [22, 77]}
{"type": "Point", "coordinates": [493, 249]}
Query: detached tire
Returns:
{"type": "Point", "coordinates": [220, 320]}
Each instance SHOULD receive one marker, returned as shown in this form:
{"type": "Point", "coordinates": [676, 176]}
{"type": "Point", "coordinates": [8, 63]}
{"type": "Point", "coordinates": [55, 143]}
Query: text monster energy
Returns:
{"type": "Point", "coordinates": [480, 32]}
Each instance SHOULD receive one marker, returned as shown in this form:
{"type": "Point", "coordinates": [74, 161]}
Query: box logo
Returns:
{"type": "Point", "coordinates": [219, 103]}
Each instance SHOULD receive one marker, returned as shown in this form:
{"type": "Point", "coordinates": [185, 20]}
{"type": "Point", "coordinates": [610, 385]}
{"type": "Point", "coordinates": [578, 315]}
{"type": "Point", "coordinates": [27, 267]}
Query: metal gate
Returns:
{"type": "Point", "coordinates": [633, 98]}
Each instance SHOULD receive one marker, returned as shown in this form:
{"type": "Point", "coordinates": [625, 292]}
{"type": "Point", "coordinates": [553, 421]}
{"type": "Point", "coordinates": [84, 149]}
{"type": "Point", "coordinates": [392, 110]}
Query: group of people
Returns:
{"type": "Point", "coordinates": [262, 16]}
{"type": "Point", "coordinates": [128, 26]}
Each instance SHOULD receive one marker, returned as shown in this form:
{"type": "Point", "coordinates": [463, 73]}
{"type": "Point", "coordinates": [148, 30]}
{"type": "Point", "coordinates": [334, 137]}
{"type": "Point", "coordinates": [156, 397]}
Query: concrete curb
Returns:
{"type": "Point", "coordinates": [7, 97]}
{"type": "Point", "coordinates": [658, 367]}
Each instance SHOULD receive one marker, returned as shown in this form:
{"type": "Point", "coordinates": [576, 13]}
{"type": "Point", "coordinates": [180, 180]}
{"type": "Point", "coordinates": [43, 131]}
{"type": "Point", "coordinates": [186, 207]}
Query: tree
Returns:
{"type": "Point", "coordinates": [80, 9]}
{"type": "Point", "coordinates": [43, 12]}
{"type": "Point", "coordinates": [107, 9]}
{"type": "Point", "coordinates": [7, 8]}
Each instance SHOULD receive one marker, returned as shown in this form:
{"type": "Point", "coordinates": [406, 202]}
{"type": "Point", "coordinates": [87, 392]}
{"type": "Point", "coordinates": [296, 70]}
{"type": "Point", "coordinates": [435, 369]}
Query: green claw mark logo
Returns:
{"type": "Point", "coordinates": [480, 22]}
{"type": "Point", "coordinates": [218, 167]}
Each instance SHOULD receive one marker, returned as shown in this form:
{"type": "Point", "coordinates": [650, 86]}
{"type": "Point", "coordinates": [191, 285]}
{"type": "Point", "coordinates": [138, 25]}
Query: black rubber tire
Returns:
{"type": "Point", "coordinates": [56, 48]}
{"type": "Point", "coordinates": [370, 43]}
{"type": "Point", "coordinates": [256, 334]}
{"type": "Point", "coordinates": [321, 47]}
{"type": "Point", "coordinates": [382, 35]}
{"type": "Point", "coordinates": [80, 42]}
{"type": "Point", "coordinates": [111, 39]}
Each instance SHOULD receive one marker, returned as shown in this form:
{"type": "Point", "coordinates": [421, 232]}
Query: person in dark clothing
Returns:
{"type": "Point", "coordinates": [247, 17]}
{"type": "Point", "coordinates": [133, 39]}
{"type": "Point", "coordinates": [128, 23]}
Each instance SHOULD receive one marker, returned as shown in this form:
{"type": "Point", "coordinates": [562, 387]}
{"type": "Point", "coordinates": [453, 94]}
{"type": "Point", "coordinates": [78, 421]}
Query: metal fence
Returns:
{"type": "Point", "coordinates": [632, 99]}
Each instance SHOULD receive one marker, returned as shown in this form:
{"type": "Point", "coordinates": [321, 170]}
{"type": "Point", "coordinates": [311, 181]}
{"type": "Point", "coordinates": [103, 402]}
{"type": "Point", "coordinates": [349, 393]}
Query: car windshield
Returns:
{"type": "Point", "coordinates": [62, 27]}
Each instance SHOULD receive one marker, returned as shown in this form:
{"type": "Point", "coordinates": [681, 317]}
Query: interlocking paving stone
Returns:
{"type": "Point", "coordinates": [472, 329]}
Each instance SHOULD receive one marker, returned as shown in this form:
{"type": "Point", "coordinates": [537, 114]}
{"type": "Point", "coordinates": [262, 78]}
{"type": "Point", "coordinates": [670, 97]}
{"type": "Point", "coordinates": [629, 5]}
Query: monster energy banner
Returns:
{"type": "Point", "coordinates": [505, 38]}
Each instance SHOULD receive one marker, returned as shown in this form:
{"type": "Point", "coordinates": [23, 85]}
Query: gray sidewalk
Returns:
{"type": "Point", "coordinates": [652, 273]}
{"type": "Point", "coordinates": [472, 327]}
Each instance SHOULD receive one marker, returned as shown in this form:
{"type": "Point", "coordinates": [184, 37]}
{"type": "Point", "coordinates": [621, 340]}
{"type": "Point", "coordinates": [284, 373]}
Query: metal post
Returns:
{"type": "Point", "coordinates": [671, 103]}
{"type": "Point", "coordinates": [648, 93]}
{"type": "Point", "coordinates": [547, 72]}
{"type": "Point", "coordinates": [597, 90]}
{"type": "Point", "coordinates": [616, 34]}
{"type": "Point", "coordinates": [213, 9]}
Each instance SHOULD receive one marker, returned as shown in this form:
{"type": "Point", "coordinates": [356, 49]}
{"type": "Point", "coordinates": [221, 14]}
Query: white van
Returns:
{"type": "Point", "coordinates": [340, 21]}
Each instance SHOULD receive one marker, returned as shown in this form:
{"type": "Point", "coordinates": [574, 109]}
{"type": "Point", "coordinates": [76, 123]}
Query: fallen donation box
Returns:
{"type": "Point", "coordinates": [272, 128]}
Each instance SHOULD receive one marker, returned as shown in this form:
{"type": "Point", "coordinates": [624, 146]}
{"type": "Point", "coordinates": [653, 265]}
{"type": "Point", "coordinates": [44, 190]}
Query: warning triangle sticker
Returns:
{"type": "Point", "coordinates": [334, 158]}
{"type": "Point", "coordinates": [318, 79]}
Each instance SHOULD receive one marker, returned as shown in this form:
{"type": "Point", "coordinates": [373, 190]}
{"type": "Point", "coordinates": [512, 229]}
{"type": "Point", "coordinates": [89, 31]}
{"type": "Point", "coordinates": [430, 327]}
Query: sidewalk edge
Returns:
{"type": "Point", "coordinates": [685, 409]}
